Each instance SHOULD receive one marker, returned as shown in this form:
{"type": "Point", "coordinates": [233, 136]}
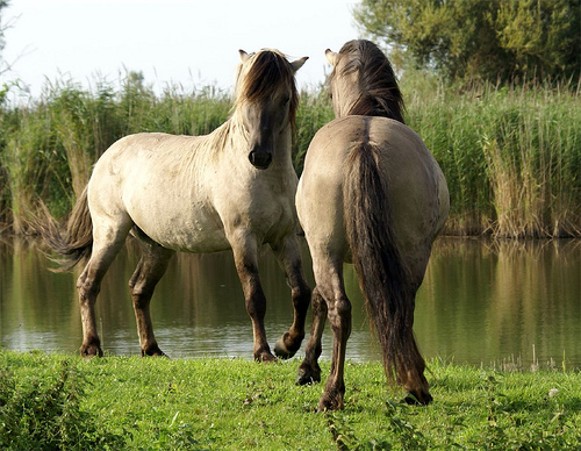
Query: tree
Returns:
{"type": "Point", "coordinates": [494, 40]}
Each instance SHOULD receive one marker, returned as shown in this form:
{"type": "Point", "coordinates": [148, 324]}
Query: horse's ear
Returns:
{"type": "Point", "coordinates": [243, 55]}
{"type": "Point", "coordinates": [297, 64]}
{"type": "Point", "coordinates": [331, 57]}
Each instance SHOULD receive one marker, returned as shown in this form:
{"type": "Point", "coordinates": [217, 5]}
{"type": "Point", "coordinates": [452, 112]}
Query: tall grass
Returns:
{"type": "Point", "coordinates": [511, 156]}
{"type": "Point", "coordinates": [48, 147]}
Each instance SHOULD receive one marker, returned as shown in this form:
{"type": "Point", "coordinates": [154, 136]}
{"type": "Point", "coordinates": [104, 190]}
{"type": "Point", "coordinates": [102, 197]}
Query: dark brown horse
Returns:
{"type": "Point", "coordinates": [372, 194]}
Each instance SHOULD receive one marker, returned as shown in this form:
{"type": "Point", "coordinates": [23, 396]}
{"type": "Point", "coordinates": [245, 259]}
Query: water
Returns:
{"type": "Point", "coordinates": [480, 302]}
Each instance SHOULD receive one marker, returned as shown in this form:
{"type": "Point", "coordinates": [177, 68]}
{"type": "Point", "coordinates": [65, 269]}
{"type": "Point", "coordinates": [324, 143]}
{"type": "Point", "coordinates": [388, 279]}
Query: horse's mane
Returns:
{"type": "Point", "coordinates": [269, 69]}
{"type": "Point", "coordinates": [380, 93]}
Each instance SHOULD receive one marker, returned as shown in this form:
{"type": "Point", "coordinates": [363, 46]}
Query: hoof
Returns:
{"type": "Point", "coordinates": [309, 375]}
{"type": "Point", "coordinates": [417, 399]}
{"type": "Point", "coordinates": [286, 352]}
{"type": "Point", "coordinates": [264, 357]}
{"type": "Point", "coordinates": [330, 403]}
{"type": "Point", "coordinates": [153, 351]}
{"type": "Point", "coordinates": [92, 350]}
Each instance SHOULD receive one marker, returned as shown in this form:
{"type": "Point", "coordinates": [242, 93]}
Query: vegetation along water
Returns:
{"type": "Point", "coordinates": [510, 148]}
{"type": "Point", "coordinates": [511, 155]}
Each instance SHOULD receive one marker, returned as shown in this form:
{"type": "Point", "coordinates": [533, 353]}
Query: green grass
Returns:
{"type": "Point", "coordinates": [511, 156]}
{"type": "Point", "coordinates": [64, 402]}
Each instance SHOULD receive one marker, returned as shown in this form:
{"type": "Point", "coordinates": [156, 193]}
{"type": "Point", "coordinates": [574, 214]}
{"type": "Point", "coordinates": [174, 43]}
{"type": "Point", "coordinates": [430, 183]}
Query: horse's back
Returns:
{"type": "Point", "coordinates": [416, 188]}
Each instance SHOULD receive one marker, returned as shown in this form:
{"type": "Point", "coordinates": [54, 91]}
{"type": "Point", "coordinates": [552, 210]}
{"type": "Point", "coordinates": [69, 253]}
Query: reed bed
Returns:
{"type": "Point", "coordinates": [512, 156]}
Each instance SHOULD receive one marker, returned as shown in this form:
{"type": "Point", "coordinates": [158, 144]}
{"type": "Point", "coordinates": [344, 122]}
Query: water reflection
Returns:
{"type": "Point", "coordinates": [502, 300]}
{"type": "Point", "coordinates": [480, 302]}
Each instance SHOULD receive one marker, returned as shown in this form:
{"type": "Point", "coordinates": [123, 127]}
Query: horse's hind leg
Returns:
{"type": "Point", "coordinates": [150, 269]}
{"type": "Point", "coordinates": [411, 372]}
{"type": "Point", "coordinates": [289, 257]}
{"type": "Point", "coordinates": [107, 241]}
{"type": "Point", "coordinates": [329, 278]}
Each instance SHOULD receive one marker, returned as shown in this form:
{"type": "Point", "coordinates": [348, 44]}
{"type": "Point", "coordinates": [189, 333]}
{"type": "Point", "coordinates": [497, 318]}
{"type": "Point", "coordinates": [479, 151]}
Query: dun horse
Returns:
{"type": "Point", "coordinates": [233, 188]}
{"type": "Point", "coordinates": [371, 194]}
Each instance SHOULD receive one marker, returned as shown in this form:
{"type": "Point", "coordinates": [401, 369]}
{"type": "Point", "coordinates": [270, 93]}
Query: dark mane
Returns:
{"type": "Point", "coordinates": [269, 70]}
{"type": "Point", "coordinates": [380, 93]}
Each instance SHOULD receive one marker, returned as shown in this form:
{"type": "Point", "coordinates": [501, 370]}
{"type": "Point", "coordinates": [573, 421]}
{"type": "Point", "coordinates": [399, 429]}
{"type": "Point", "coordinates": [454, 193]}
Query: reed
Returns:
{"type": "Point", "coordinates": [511, 155]}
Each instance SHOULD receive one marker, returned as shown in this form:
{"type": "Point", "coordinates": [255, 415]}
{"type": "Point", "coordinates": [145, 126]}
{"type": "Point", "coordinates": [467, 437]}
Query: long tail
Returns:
{"type": "Point", "coordinates": [73, 244]}
{"type": "Point", "coordinates": [383, 277]}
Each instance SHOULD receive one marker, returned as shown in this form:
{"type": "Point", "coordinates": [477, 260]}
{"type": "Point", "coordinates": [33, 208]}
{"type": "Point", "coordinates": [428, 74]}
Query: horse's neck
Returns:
{"type": "Point", "coordinates": [220, 138]}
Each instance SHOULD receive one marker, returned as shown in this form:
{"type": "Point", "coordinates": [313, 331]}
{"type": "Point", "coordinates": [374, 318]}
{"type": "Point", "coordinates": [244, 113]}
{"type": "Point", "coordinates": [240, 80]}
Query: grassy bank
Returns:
{"type": "Point", "coordinates": [512, 156]}
{"type": "Point", "coordinates": [60, 402]}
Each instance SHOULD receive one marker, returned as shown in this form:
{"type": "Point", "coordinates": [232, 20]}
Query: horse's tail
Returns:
{"type": "Point", "coordinates": [73, 244]}
{"type": "Point", "coordinates": [383, 276]}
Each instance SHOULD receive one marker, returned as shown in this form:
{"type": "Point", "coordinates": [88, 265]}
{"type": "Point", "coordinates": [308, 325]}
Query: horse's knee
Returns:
{"type": "Point", "coordinates": [343, 307]}
{"type": "Point", "coordinates": [141, 295]}
{"type": "Point", "coordinates": [301, 296]}
{"type": "Point", "coordinates": [88, 289]}
{"type": "Point", "coordinates": [340, 311]}
{"type": "Point", "coordinates": [256, 305]}
{"type": "Point", "coordinates": [319, 304]}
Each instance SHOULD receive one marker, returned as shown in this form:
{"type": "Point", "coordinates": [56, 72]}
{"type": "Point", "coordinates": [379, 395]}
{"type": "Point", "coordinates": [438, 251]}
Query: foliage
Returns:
{"type": "Point", "coordinates": [41, 410]}
{"type": "Point", "coordinates": [135, 403]}
{"type": "Point", "coordinates": [491, 40]}
{"type": "Point", "coordinates": [48, 146]}
{"type": "Point", "coordinates": [511, 155]}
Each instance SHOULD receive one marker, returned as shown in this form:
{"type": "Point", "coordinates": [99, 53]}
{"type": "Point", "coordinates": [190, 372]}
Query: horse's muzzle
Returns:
{"type": "Point", "coordinates": [260, 159]}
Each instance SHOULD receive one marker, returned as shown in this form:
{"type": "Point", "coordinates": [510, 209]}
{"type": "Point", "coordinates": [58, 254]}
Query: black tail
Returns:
{"type": "Point", "coordinates": [75, 243]}
{"type": "Point", "coordinates": [383, 277]}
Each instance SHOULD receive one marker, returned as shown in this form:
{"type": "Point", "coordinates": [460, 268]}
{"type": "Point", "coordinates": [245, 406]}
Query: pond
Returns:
{"type": "Point", "coordinates": [481, 302]}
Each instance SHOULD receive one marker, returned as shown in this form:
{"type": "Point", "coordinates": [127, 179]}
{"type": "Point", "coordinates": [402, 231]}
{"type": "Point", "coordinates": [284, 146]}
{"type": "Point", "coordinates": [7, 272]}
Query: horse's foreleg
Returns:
{"type": "Point", "coordinates": [310, 371]}
{"type": "Point", "coordinates": [288, 255]}
{"type": "Point", "coordinates": [150, 269]}
{"type": "Point", "coordinates": [245, 258]}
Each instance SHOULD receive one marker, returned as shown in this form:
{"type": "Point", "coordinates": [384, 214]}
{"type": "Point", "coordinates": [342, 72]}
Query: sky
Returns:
{"type": "Point", "coordinates": [188, 43]}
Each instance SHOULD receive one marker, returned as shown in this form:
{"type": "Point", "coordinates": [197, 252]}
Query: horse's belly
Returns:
{"type": "Point", "coordinates": [199, 232]}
